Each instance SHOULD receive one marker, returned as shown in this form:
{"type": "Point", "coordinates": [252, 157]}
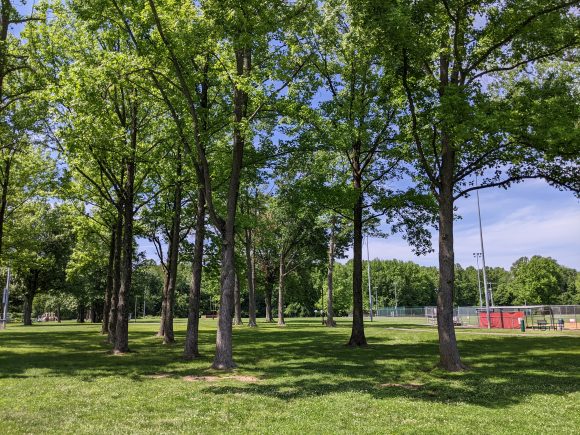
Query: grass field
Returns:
{"type": "Point", "coordinates": [60, 379]}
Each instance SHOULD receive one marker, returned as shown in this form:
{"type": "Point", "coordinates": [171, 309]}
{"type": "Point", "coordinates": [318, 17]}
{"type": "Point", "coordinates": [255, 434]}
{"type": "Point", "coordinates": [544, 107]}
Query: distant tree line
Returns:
{"type": "Point", "coordinates": [531, 281]}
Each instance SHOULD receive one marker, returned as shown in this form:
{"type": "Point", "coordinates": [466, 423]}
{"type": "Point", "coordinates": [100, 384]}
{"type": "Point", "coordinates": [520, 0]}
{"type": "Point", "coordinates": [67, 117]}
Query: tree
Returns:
{"type": "Point", "coordinates": [167, 220]}
{"type": "Point", "coordinates": [41, 243]}
{"type": "Point", "coordinates": [17, 114]}
{"type": "Point", "coordinates": [536, 281]}
{"type": "Point", "coordinates": [102, 122]}
{"type": "Point", "coordinates": [357, 122]}
{"type": "Point", "coordinates": [461, 67]}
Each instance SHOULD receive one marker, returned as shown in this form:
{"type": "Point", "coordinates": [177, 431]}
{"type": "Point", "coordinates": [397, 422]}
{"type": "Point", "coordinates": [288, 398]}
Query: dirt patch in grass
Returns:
{"type": "Point", "coordinates": [239, 378]}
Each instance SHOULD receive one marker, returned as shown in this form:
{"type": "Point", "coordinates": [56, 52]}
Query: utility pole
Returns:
{"type": "Point", "coordinates": [477, 255]}
{"type": "Point", "coordinates": [369, 276]}
{"type": "Point", "coordinates": [483, 261]}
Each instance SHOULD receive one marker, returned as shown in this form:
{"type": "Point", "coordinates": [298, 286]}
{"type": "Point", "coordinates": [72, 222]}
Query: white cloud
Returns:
{"type": "Point", "coordinates": [529, 219]}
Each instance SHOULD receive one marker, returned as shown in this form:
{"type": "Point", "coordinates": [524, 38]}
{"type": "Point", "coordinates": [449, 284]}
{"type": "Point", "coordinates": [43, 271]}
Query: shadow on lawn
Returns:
{"type": "Point", "coordinates": [297, 362]}
{"type": "Point", "coordinates": [496, 380]}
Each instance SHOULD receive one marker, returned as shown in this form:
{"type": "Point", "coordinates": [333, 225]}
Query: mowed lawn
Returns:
{"type": "Point", "coordinates": [297, 379]}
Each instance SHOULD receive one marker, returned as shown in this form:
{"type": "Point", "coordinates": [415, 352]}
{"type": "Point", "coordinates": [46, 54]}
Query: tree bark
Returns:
{"type": "Point", "coordinates": [192, 337]}
{"type": "Point", "coordinates": [94, 312]}
{"type": "Point", "coordinates": [80, 313]}
{"type": "Point", "coordinates": [4, 198]}
{"type": "Point", "coordinates": [329, 279]}
{"type": "Point", "coordinates": [224, 356]}
{"type": "Point", "coordinates": [357, 337]}
{"type": "Point", "coordinates": [237, 303]}
{"type": "Point", "coordinates": [116, 273]}
{"type": "Point", "coordinates": [281, 276]}
{"type": "Point", "coordinates": [250, 274]}
{"type": "Point", "coordinates": [223, 359]}
{"type": "Point", "coordinates": [27, 310]}
{"type": "Point", "coordinates": [5, 22]}
{"type": "Point", "coordinates": [161, 332]}
{"type": "Point", "coordinates": [122, 331]}
{"type": "Point", "coordinates": [173, 258]}
{"type": "Point", "coordinates": [448, 351]}
{"type": "Point", "coordinates": [109, 287]}
{"type": "Point", "coordinates": [29, 297]}
{"type": "Point", "coordinates": [268, 303]}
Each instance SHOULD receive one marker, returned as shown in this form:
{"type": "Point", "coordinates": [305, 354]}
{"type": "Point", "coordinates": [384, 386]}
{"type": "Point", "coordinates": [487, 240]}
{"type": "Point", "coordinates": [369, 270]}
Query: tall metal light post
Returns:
{"type": "Point", "coordinates": [5, 296]}
{"type": "Point", "coordinates": [483, 261]}
{"type": "Point", "coordinates": [369, 279]}
{"type": "Point", "coordinates": [477, 255]}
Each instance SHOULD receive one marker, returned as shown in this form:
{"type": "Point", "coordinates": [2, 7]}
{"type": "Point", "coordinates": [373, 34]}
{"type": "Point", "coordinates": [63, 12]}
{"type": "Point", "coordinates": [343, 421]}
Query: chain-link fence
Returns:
{"type": "Point", "coordinates": [540, 316]}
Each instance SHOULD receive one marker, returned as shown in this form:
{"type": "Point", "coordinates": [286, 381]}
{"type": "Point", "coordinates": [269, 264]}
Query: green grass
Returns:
{"type": "Point", "coordinates": [61, 379]}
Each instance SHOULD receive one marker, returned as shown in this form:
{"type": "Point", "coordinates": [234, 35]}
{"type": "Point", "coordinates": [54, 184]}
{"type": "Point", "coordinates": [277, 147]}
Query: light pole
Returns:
{"type": "Point", "coordinates": [477, 255]}
{"type": "Point", "coordinates": [483, 261]}
{"type": "Point", "coordinates": [369, 280]}
{"type": "Point", "coordinates": [5, 296]}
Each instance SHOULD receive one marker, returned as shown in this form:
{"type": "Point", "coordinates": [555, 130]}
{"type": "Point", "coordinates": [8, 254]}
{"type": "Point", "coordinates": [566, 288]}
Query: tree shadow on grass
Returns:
{"type": "Point", "coordinates": [505, 371]}
{"type": "Point", "coordinates": [299, 362]}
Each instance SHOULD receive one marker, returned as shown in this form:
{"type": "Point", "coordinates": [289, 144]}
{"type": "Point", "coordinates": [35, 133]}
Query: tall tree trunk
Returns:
{"type": "Point", "coordinates": [237, 303]}
{"type": "Point", "coordinates": [223, 359]}
{"type": "Point", "coordinates": [122, 331]}
{"type": "Point", "coordinates": [329, 278]}
{"type": "Point", "coordinates": [224, 354]}
{"type": "Point", "coordinates": [4, 198]}
{"type": "Point", "coordinates": [80, 312]}
{"type": "Point", "coordinates": [250, 274]}
{"type": "Point", "coordinates": [268, 303]}
{"type": "Point", "coordinates": [94, 314]}
{"type": "Point", "coordinates": [29, 297]}
{"type": "Point", "coordinates": [173, 258]}
{"type": "Point", "coordinates": [27, 310]}
{"type": "Point", "coordinates": [109, 287]}
{"type": "Point", "coordinates": [268, 290]}
{"type": "Point", "coordinates": [281, 276]}
{"type": "Point", "coordinates": [161, 332]}
{"type": "Point", "coordinates": [357, 337]}
{"type": "Point", "coordinates": [192, 337]}
{"type": "Point", "coordinates": [116, 273]}
{"type": "Point", "coordinates": [27, 315]}
{"type": "Point", "coordinates": [448, 351]}
{"type": "Point", "coordinates": [58, 319]}
{"type": "Point", "coordinates": [5, 22]}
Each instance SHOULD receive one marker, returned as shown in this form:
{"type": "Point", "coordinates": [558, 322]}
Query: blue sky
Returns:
{"type": "Point", "coordinates": [528, 219]}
